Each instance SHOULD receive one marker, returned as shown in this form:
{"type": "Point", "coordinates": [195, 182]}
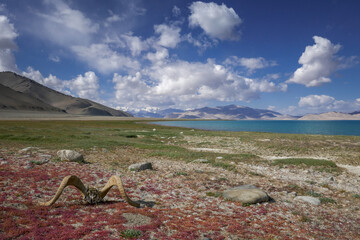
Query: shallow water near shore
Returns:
{"type": "Point", "coordinates": [338, 127]}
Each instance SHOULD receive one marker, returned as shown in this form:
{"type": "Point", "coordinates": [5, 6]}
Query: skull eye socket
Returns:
{"type": "Point", "coordinates": [92, 196]}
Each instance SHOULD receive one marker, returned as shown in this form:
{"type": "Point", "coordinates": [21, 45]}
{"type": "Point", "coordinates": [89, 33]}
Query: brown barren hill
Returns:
{"type": "Point", "coordinates": [13, 100]}
{"type": "Point", "coordinates": [38, 96]}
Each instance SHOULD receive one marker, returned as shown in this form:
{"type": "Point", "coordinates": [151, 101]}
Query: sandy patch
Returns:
{"type": "Point", "coordinates": [215, 150]}
{"type": "Point", "coordinates": [350, 168]}
{"type": "Point", "coordinates": [271, 158]}
{"type": "Point", "coordinates": [43, 115]}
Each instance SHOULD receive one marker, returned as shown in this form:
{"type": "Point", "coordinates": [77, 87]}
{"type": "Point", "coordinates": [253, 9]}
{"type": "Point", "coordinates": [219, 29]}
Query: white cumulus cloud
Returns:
{"type": "Point", "coordinates": [113, 18]}
{"type": "Point", "coordinates": [7, 34]}
{"type": "Point", "coordinates": [316, 101]}
{"type": "Point", "coordinates": [185, 84]}
{"type": "Point", "coordinates": [135, 44]}
{"type": "Point", "coordinates": [86, 86]}
{"type": "Point", "coordinates": [325, 103]}
{"type": "Point", "coordinates": [134, 93]}
{"type": "Point", "coordinates": [201, 42]}
{"type": "Point", "coordinates": [7, 45]}
{"type": "Point", "coordinates": [159, 56]}
{"type": "Point", "coordinates": [64, 25]}
{"type": "Point", "coordinates": [217, 21]}
{"type": "Point", "coordinates": [130, 88]}
{"type": "Point", "coordinates": [7, 61]}
{"type": "Point", "coordinates": [51, 81]}
{"type": "Point", "coordinates": [318, 63]}
{"type": "Point", "coordinates": [104, 59]}
{"type": "Point", "coordinates": [169, 35]}
{"type": "Point", "coordinates": [251, 64]}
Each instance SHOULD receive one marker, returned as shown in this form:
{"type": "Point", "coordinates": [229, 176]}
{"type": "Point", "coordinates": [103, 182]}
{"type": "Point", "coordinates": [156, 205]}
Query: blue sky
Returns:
{"type": "Point", "coordinates": [294, 57]}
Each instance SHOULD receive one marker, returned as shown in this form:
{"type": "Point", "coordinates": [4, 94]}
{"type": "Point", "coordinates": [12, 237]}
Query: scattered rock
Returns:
{"type": "Point", "coordinates": [140, 166]}
{"type": "Point", "coordinates": [201, 160]}
{"type": "Point", "coordinates": [70, 155]}
{"type": "Point", "coordinates": [28, 149]}
{"type": "Point", "coordinates": [45, 158]}
{"type": "Point", "coordinates": [3, 162]}
{"type": "Point", "coordinates": [308, 199]}
{"type": "Point", "coordinates": [246, 194]}
{"type": "Point", "coordinates": [28, 167]}
{"type": "Point", "coordinates": [219, 158]}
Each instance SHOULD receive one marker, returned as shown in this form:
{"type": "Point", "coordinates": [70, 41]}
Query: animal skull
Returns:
{"type": "Point", "coordinates": [91, 195]}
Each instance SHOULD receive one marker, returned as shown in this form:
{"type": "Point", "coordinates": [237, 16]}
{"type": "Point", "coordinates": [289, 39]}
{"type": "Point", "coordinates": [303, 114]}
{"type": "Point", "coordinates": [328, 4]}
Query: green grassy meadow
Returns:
{"type": "Point", "coordinates": [175, 143]}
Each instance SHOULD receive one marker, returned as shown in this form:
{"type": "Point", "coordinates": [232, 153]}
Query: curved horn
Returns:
{"type": "Point", "coordinates": [69, 180]}
{"type": "Point", "coordinates": [116, 181]}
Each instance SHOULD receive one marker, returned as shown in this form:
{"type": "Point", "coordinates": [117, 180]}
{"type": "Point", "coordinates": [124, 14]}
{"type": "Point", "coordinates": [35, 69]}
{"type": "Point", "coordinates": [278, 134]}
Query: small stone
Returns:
{"type": "Point", "coordinates": [201, 161]}
{"type": "Point", "coordinates": [292, 194]}
{"type": "Point", "coordinates": [4, 162]}
{"type": "Point", "coordinates": [28, 149]}
{"type": "Point", "coordinates": [308, 199]}
{"type": "Point", "coordinates": [104, 150]}
{"type": "Point", "coordinates": [46, 160]}
{"type": "Point", "coordinates": [70, 155]}
{"type": "Point", "coordinates": [140, 166]}
{"type": "Point", "coordinates": [246, 194]}
{"type": "Point", "coordinates": [28, 166]}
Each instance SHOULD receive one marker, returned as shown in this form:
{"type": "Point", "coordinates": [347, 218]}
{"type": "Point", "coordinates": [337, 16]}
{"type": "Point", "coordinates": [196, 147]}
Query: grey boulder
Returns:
{"type": "Point", "coordinates": [247, 194]}
{"type": "Point", "coordinates": [140, 166]}
{"type": "Point", "coordinates": [308, 199]}
{"type": "Point", "coordinates": [70, 155]}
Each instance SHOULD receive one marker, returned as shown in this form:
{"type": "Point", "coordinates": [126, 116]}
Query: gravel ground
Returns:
{"type": "Point", "coordinates": [180, 200]}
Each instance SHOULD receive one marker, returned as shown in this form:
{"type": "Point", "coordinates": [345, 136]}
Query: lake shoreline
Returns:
{"type": "Point", "coordinates": [312, 127]}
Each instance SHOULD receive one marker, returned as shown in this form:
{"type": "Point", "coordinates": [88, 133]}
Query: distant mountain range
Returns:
{"type": "Point", "coordinates": [226, 112]}
{"type": "Point", "coordinates": [221, 112]}
{"type": "Point", "coordinates": [157, 114]}
{"type": "Point", "coordinates": [234, 112]}
{"type": "Point", "coordinates": [332, 116]}
{"type": "Point", "coordinates": [20, 93]}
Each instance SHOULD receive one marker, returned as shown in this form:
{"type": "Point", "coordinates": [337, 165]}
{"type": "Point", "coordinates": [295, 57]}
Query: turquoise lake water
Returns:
{"type": "Point", "coordinates": [345, 127]}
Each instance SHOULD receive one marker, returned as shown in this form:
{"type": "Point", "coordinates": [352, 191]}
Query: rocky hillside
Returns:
{"type": "Point", "coordinates": [21, 93]}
